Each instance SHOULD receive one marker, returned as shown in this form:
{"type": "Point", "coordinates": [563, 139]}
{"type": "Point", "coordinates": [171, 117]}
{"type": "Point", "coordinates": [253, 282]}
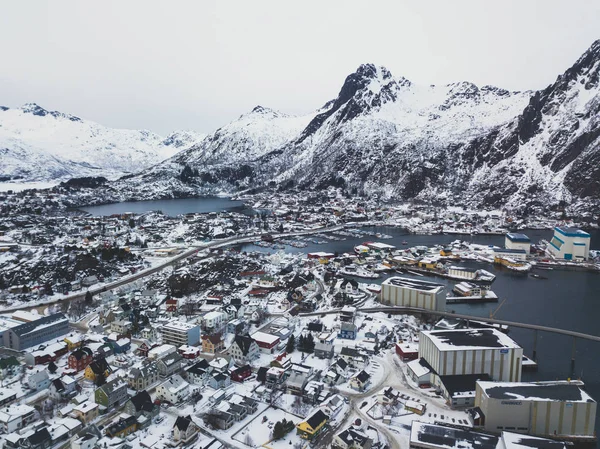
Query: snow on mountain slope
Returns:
{"type": "Point", "coordinates": [254, 134]}
{"type": "Point", "coordinates": [37, 144]}
{"type": "Point", "coordinates": [457, 144]}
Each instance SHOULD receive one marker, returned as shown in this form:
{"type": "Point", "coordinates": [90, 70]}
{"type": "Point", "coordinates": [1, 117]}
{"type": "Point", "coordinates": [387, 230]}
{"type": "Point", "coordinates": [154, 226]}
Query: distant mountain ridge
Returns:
{"type": "Point", "coordinates": [456, 144]}
{"type": "Point", "coordinates": [453, 144]}
{"type": "Point", "coordinates": [41, 145]}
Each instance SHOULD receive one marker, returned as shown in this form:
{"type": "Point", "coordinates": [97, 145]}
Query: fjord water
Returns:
{"type": "Point", "coordinates": [171, 207]}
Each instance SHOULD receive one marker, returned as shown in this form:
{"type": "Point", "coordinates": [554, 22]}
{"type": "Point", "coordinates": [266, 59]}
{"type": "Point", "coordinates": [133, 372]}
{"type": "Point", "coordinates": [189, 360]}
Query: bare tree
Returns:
{"type": "Point", "coordinates": [248, 439]}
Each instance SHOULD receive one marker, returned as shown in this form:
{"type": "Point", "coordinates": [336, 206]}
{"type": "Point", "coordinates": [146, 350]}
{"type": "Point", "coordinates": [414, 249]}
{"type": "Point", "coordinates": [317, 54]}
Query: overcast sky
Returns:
{"type": "Point", "coordinates": [200, 64]}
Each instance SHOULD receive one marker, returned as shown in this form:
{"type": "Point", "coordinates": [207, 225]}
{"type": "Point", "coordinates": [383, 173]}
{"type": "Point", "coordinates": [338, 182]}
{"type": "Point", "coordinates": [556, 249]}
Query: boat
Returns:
{"type": "Point", "coordinates": [404, 242]}
{"type": "Point", "coordinates": [537, 276]}
{"type": "Point", "coordinates": [373, 288]}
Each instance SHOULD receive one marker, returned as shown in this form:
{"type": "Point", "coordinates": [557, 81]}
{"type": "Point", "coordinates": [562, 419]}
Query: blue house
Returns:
{"type": "Point", "coordinates": [119, 346]}
{"type": "Point", "coordinates": [348, 331]}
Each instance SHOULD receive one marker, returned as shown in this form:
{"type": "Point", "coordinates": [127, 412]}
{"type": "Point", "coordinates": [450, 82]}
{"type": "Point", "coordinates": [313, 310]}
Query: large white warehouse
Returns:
{"type": "Point", "coordinates": [570, 244]}
{"type": "Point", "coordinates": [399, 291]}
{"type": "Point", "coordinates": [540, 408]}
{"type": "Point", "coordinates": [472, 351]}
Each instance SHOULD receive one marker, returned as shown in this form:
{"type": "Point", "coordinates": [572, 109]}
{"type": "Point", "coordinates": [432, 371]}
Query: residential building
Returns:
{"type": "Point", "coordinates": [472, 351]}
{"type": "Point", "coordinates": [98, 367]}
{"type": "Point", "coordinates": [323, 350]}
{"type": "Point", "coordinates": [143, 377]}
{"type": "Point", "coordinates": [312, 426]}
{"type": "Point", "coordinates": [169, 364]}
{"type": "Point", "coordinates": [142, 405]}
{"type": "Point", "coordinates": [219, 380]}
{"type": "Point", "coordinates": [111, 394]}
{"type": "Point", "coordinates": [266, 342]}
{"type": "Point", "coordinates": [570, 244]}
{"type": "Point", "coordinates": [214, 322]}
{"type": "Point", "coordinates": [351, 439]}
{"type": "Point", "coordinates": [180, 333]}
{"type": "Point", "coordinates": [243, 349]}
{"type": "Point", "coordinates": [559, 408]}
{"type": "Point", "coordinates": [407, 351]}
{"type": "Point", "coordinates": [223, 420]}
{"type": "Point", "coordinates": [7, 395]}
{"type": "Point", "coordinates": [75, 341]}
{"type": "Point", "coordinates": [348, 331]}
{"type": "Point", "coordinates": [399, 291]}
{"type": "Point", "coordinates": [80, 359]}
{"type": "Point", "coordinates": [212, 344]}
{"type": "Point", "coordinates": [360, 381]}
{"type": "Point", "coordinates": [173, 390]}
{"type": "Point", "coordinates": [86, 411]}
{"type": "Point", "coordinates": [184, 430]}
{"type": "Point", "coordinates": [15, 417]}
{"type": "Point", "coordinates": [242, 373]}
{"type": "Point", "coordinates": [121, 327]}
{"type": "Point", "coordinates": [36, 332]}
{"type": "Point", "coordinates": [126, 425]}
{"type": "Point", "coordinates": [87, 441]}
{"type": "Point", "coordinates": [198, 374]}
{"type": "Point", "coordinates": [63, 387]}
{"type": "Point", "coordinates": [39, 381]}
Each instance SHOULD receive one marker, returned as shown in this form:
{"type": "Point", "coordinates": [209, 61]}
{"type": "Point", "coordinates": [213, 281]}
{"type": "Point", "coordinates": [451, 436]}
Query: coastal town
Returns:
{"type": "Point", "coordinates": [315, 322]}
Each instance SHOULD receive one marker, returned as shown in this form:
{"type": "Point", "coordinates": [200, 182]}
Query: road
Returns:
{"type": "Point", "coordinates": [184, 255]}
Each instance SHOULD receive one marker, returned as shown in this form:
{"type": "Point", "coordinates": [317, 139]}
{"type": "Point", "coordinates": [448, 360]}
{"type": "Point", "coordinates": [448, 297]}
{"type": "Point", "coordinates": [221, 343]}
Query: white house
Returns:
{"type": "Point", "coordinates": [39, 381]}
{"type": "Point", "coordinates": [184, 430]}
{"type": "Point", "coordinates": [15, 417]}
{"type": "Point", "coordinates": [173, 390]}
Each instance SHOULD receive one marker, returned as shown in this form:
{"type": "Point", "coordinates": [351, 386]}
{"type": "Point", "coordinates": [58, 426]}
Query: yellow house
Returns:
{"type": "Point", "coordinates": [312, 426]}
{"type": "Point", "coordinates": [95, 368]}
{"type": "Point", "coordinates": [446, 252]}
{"type": "Point", "coordinates": [74, 341]}
{"type": "Point", "coordinates": [212, 343]}
{"type": "Point", "coordinates": [86, 411]}
{"type": "Point", "coordinates": [428, 264]}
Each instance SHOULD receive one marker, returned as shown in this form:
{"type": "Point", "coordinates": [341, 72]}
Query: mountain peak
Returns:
{"type": "Point", "coordinates": [35, 109]}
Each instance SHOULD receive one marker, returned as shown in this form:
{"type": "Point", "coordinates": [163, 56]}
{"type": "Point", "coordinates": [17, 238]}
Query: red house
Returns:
{"type": "Point", "coordinates": [80, 359]}
{"type": "Point", "coordinates": [241, 373]}
{"type": "Point", "coordinates": [266, 342]}
{"type": "Point", "coordinates": [172, 305]}
{"type": "Point", "coordinates": [144, 348]}
{"type": "Point", "coordinates": [407, 351]}
{"type": "Point", "coordinates": [188, 352]}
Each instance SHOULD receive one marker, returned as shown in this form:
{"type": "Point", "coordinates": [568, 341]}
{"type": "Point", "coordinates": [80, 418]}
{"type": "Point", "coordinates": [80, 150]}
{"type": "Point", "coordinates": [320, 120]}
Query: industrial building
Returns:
{"type": "Point", "coordinates": [398, 291]}
{"type": "Point", "coordinates": [472, 351]}
{"type": "Point", "coordinates": [570, 244]}
{"type": "Point", "coordinates": [514, 254]}
{"type": "Point", "coordinates": [560, 408]}
{"type": "Point", "coordinates": [178, 333]}
{"type": "Point", "coordinates": [36, 332]}
{"type": "Point", "coordinates": [517, 241]}
{"type": "Point", "coordinates": [433, 436]}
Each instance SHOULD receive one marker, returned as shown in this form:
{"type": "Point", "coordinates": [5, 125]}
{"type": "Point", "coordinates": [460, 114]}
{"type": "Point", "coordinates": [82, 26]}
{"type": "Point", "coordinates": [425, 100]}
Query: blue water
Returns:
{"type": "Point", "coordinates": [168, 207]}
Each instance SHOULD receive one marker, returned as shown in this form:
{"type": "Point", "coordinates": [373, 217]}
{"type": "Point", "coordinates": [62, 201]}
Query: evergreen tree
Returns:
{"type": "Point", "coordinates": [291, 344]}
{"type": "Point", "coordinates": [88, 298]}
{"type": "Point", "coordinates": [309, 344]}
{"type": "Point", "coordinates": [48, 289]}
{"type": "Point", "coordinates": [301, 343]}
{"type": "Point", "coordinates": [278, 431]}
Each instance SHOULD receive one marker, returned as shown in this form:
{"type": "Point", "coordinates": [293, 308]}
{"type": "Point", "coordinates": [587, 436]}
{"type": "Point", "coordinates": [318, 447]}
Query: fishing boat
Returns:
{"type": "Point", "coordinates": [404, 242]}
{"type": "Point", "coordinates": [537, 276]}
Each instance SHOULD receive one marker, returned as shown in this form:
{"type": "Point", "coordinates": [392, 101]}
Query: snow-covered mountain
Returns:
{"type": "Point", "coordinates": [451, 144]}
{"type": "Point", "coordinates": [41, 145]}
{"type": "Point", "coordinates": [456, 144]}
